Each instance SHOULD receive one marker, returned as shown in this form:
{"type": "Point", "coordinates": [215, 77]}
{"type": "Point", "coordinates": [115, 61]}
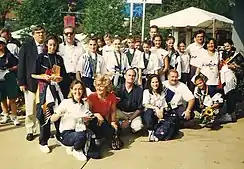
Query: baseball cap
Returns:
{"type": "Point", "coordinates": [3, 40]}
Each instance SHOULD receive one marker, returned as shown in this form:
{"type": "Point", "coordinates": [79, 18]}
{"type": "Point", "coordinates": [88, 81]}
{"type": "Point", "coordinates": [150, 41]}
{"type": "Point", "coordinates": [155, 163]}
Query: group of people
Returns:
{"type": "Point", "coordinates": [92, 92]}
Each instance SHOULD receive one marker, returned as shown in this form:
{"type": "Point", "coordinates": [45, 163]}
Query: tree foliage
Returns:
{"type": "Point", "coordinates": [46, 12]}
{"type": "Point", "coordinates": [104, 16]}
{"type": "Point", "coordinates": [5, 7]}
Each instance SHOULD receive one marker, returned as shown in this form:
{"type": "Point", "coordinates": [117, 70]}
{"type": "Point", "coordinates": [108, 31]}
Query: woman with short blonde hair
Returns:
{"type": "Point", "coordinates": [103, 105]}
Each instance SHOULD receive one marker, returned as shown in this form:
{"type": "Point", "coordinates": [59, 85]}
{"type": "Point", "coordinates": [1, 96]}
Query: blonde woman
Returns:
{"type": "Point", "coordinates": [103, 105]}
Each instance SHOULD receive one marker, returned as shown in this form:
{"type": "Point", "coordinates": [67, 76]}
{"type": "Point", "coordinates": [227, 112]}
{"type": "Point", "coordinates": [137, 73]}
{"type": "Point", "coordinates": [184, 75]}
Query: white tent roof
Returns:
{"type": "Point", "coordinates": [192, 17]}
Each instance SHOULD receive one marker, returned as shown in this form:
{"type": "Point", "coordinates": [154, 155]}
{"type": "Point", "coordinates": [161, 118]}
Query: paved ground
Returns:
{"type": "Point", "coordinates": [194, 149]}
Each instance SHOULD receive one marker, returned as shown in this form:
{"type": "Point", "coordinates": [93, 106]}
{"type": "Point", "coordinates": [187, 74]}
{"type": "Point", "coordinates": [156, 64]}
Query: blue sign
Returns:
{"type": "Point", "coordinates": [137, 10]}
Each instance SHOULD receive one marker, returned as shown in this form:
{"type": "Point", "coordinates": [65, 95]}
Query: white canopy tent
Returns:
{"type": "Point", "coordinates": [192, 18]}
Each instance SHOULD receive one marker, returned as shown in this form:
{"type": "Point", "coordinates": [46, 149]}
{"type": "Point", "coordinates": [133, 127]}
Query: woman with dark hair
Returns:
{"type": "Point", "coordinates": [174, 57]}
{"type": "Point", "coordinates": [209, 65]}
{"type": "Point", "coordinates": [73, 113]}
{"type": "Point", "coordinates": [229, 49]}
{"type": "Point", "coordinates": [185, 62]}
{"type": "Point", "coordinates": [154, 103]}
{"type": "Point", "coordinates": [162, 55]}
{"type": "Point", "coordinates": [101, 44]}
{"type": "Point", "coordinates": [49, 71]}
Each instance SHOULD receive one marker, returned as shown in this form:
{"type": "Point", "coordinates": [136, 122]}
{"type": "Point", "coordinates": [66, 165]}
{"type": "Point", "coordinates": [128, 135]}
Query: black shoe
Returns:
{"type": "Point", "coordinates": [30, 137]}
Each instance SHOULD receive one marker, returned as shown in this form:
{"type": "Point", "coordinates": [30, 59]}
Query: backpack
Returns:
{"type": "Point", "coordinates": [167, 128]}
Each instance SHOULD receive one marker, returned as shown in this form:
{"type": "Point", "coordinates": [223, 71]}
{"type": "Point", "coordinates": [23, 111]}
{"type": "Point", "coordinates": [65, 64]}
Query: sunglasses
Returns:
{"type": "Point", "coordinates": [69, 33]}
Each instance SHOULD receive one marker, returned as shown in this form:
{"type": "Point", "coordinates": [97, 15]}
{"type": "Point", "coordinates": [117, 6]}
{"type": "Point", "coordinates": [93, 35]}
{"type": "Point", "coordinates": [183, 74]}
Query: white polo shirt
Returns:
{"type": "Point", "coordinates": [155, 100]}
{"type": "Point", "coordinates": [71, 55]}
{"type": "Point", "coordinates": [111, 62]}
{"type": "Point", "coordinates": [181, 93]}
{"type": "Point", "coordinates": [72, 115]}
{"type": "Point", "coordinates": [100, 67]}
{"type": "Point", "coordinates": [195, 50]}
{"type": "Point", "coordinates": [185, 62]}
{"type": "Point", "coordinates": [153, 63]}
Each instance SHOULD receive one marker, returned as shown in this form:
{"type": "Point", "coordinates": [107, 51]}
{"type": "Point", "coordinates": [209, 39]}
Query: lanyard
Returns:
{"type": "Point", "coordinates": [146, 61]}
{"type": "Point", "coordinates": [118, 62]}
{"type": "Point", "coordinates": [130, 56]}
{"type": "Point", "coordinates": [93, 63]}
{"type": "Point", "coordinates": [55, 60]}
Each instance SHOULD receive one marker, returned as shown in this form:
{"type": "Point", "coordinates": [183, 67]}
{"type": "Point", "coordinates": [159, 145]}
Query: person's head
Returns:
{"type": "Point", "coordinates": [157, 40]}
{"type": "Point", "coordinates": [228, 44]}
{"type": "Point", "coordinates": [51, 44]}
{"type": "Point", "coordinates": [69, 34]}
{"type": "Point", "coordinates": [199, 82]}
{"type": "Point", "coordinates": [154, 84]}
{"type": "Point", "coordinates": [153, 31]}
{"type": "Point", "coordinates": [131, 42]}
{"type": "Point", "coordinates": [103, 84]}
{"type": "Point", "coordinates": [117, 44]}
{"type": "Point", "coordinates": [3, 43]}
{"type": "Point", "coordinates": [93, 45]}
{"type": "Point", "coordinates": [170, 42]}
{"type": "Point", "coordinates": [146, 46]}
{"type": "Point", "coordinates": [107, 39]}
{"type": "Point", "coordinates": [130, 75]}
{"type": "Point", "coordinates": [5, 33]}
{"type": "Point", "coordinates": [181, 46]}
{"type": "Point", "coordinates": [138, 44]}
{"type": "Point", "coordinates": [77, 90]}
{"type": "Point", "coordinates": [100, 42]}
{"type": "Point", "coordinates": [38, 33]}
{"type": "Point", "coordinates": [211, 45]}
{"type": "Point", "coordinates": [173, 77]}
{"type": "Point", "coordinates": [199, 36]}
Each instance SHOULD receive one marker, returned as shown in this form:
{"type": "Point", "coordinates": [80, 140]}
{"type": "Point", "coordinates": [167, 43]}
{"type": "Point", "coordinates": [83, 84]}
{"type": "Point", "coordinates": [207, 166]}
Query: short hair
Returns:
{"type": "Point", "coordinates": [149, 87]}
{"type": "Point", "coordinates": [7, 30]}
{"type": "Point", "coordinates": [199, 32]}
{"type": "Point", "coordinates": [37, 28]}
{"type": "Point", "coordinates": [208, 41]}
{"type": "Point", "coordinates": [229, 41]}
{"type": "Point", "coordinates": [71, 27]}
{"type": "Point", "coordinates": [199, 77]}
{"type": "Point", "coordinates": [130, 69]}
{"type": "Point", "coordinates": [51, 37]}
{"type": "Point", "coordinates": [130, 37]}
{"type": "Point", "coordinates": [158, 35]}
{"type": "Point", "coordinates": [147, 42]}
{"type": "Point", "coordinates": [173, 71]}
{"type": "Point", "coordinates": [154, 26]}
{"type": "Point", "coordinates": [105, 80]}
{"type": "Point", "coordinates": [180, 42]}
{"type": "Point", "coordinates": [74, 82]}
{"type": "Point", "coordinates": [107, 35]}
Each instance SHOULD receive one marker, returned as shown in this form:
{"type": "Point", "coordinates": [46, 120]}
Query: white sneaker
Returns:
{"type": "Point", "coordinates": [5, 119]}
{"type": "Point", "coordinates": [15, 120]}
{"type": "Point", "coordinates": [69, 150]}
{"type": "Point", "coordinates": [45, 149]}
{"type": "Point", "coordinates": [150, 135]}
{"type": "Point", "coordinates": [79, 155]}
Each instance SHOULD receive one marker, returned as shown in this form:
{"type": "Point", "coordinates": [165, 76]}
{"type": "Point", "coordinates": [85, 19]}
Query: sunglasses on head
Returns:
{"type": "Point", "coordinates": [69, 33]}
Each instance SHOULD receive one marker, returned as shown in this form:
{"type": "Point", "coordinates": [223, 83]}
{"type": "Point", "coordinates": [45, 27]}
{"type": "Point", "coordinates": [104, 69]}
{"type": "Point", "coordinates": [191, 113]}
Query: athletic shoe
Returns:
{"type": "Point", "coordinates": [79, 155]}
{"type": "Point", "coordinates": [45, 149]}
{"type": "Point", "coordinates": [5, 119]}
{"type": "Point", "coordinates": [15, 120]}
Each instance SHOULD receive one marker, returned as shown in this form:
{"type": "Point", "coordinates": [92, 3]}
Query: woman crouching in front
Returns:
{"type": "Point", "coordinates": [74, 112]}
{"type": "Point", "coordinates": [103, 106]}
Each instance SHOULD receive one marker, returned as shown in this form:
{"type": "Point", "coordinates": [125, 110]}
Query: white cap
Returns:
{"type": "Point", "coordinates": [3, 40]}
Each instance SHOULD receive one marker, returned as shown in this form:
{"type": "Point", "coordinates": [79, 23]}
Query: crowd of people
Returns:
{"type": "Point", "coordinates": [92, 91]}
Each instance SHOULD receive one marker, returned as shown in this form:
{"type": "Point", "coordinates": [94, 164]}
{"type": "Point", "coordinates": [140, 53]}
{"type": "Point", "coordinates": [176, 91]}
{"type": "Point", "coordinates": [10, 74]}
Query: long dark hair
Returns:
{"type": "Point", "coordinates": [55, 39]}
{"type": "Point", "coordinates": [149, 87]}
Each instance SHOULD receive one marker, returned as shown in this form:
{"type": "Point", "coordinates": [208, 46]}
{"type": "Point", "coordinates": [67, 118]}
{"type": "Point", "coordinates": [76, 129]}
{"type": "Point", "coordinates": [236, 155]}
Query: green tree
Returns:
{"type": "Point", "coordinates": [5, 7]}
{"type": "Point", "coordinates": [104, 16]}
{"type": "Point", "coordinates": [46, 12]}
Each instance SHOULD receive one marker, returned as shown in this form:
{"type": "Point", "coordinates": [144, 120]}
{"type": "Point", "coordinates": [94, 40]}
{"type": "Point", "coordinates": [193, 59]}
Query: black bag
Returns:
{"type": "Point", "coordinates": [167, 128]}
